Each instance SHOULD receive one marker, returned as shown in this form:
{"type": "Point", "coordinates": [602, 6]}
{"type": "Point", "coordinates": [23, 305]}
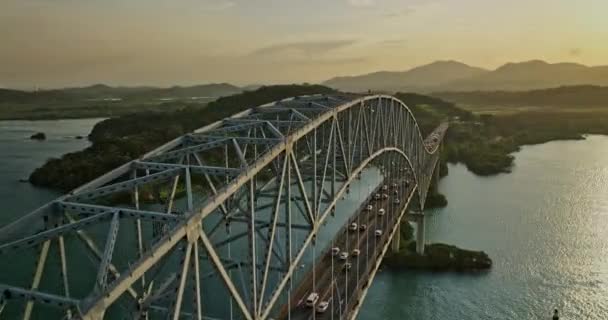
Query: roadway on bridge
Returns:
{"type": "Point", "coordinates": [328, 277]}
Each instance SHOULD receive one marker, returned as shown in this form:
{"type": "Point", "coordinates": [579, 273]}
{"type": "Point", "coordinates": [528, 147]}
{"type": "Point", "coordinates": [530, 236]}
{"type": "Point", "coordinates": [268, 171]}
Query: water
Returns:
{"type": "Point", "coordinates": [545, 225]}
{"type": "Point", "coordinates": [19, 156]}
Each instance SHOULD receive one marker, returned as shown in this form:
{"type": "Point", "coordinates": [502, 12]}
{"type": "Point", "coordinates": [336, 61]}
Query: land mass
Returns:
{"type": "Point", "coordinates": [437, 256]}
{"type": "Point", "coordinates": [484, 143]}
{"type": "Point", "coordinates": [105, 101]}
{"type": "Point", "coordinates": [457, 76]}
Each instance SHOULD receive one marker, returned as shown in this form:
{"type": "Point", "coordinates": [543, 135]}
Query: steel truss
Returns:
{"type": "Point", "coordinates": [213, 224]}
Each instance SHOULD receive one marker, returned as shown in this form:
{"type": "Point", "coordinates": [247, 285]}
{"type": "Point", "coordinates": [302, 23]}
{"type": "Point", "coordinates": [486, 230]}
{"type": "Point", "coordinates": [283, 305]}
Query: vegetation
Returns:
{"type": "Point", "coordinates": [438, 257]}
{"type": "Point", "coordinates": [118, 140]}
{"type": "Point", "coordinates": [435, 199]}
{"type": "Point", "coordinates": [484, 143]}
{"type": "Point", "coordinates": [105, 101]}
{"type": "Point", "coordinates": [567, 96]}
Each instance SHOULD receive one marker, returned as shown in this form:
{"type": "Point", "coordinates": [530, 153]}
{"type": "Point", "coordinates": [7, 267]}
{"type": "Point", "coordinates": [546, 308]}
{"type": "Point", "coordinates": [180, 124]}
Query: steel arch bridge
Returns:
{"type": "Point", "coordinates": [225, 222]}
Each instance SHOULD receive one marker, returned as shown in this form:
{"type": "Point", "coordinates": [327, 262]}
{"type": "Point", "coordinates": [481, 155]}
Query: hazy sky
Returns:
{"type": "Point", "coordinates": [55, 43]}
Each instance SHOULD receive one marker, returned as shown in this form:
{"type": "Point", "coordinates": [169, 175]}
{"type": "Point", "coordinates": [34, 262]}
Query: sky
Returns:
{"type": "Point", "coordinates": [59, 43]}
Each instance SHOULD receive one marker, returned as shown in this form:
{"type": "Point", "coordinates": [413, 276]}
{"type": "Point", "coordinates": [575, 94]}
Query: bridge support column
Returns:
{"type": "Point", "coordinates": [420, 235]}
{"type": "Point", "coordinates": [435, 178]}
{"type": "Point", "coordinates": [397, 239]}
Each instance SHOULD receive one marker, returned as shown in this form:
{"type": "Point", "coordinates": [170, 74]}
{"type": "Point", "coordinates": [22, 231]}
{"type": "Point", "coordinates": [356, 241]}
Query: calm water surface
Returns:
{"type": "Point", "coordinates": [19, 156]}
{"type": "Point", "coordinates": [546, 227]}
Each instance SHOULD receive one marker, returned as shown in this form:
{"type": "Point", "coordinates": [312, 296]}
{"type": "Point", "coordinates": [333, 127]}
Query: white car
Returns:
{"type": "Point", "coordinates": [356, 253]}
{"type": "Point", "coordinates": [378, 233]}
{"type": "Point", "coordinates": [335, 251]}
{"type": "Point", "coordinates": [352, 226]}
{"type": "Point", "coordinates": [322, 306]}
{"type": "Point", "coordinates": [397, 201]}
{"type": "Point", "coordinates": [369, 207]}
{"type": "Point", "coordinates": [385, 196]}
{"type": "Point", "coordinates": [377, 196]}
{"type": "Point", "coordinates": [312, 299]}
{"type": "Point", "coordinates": [344, 255]}
{"type": "Point", "coordinates": [381, 212]}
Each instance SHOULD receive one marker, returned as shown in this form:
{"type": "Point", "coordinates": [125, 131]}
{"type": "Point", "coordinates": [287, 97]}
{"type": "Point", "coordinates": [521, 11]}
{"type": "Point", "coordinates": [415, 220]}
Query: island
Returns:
{"type": "Point", "coordinates": [38, 136]}
{"type": "Point", "coordinates": [439, 257]}
{"type": "Point", "coordinates": [436, 257]}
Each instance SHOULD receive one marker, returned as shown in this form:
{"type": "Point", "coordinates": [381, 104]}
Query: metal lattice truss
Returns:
{"type": "Point", "coordinates": [213, 224]}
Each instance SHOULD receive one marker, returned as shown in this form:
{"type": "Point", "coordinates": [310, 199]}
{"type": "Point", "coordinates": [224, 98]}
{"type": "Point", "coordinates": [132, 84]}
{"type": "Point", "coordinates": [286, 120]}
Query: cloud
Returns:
{"type": "Point", "coordinates": [362, 3]}
{"type": "Point", "coordinates": [306, 48]}
{"type": "Point", "coordinates": [575, 52]}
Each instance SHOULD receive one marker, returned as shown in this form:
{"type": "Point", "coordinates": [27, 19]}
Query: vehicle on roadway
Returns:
{"type": "Point", "coordinates": [385, 187]}
{"type": "Point", "coordinates": [347, 266]}
{"type": "Point", "coordinates": [377, 196]}
{"type": "Point", "coordinates": [322, 306]}
{"type": "Point", "coordinates": [385, 196]}
{"type": "Point", "coordinates": [312, 299]}
{"type": "Point", "coordinates": [381, 212]}
{"type": "Point", "coordinates": [356, 253]}
{"type": "Point", "coordinates": [363, 227]}
{"type": "Point", "coordinates": [397, 201]}
{"type": "Point", "coordinates": [352, 226]}
{"type": "Point", "coordinates": [335, 251]}
{"type": "Point", "coordinates": [378, 232]}
{"type": "Point", "coordinates": [369, 207]}
{"type": "Point", "coordinates": [344, 255]}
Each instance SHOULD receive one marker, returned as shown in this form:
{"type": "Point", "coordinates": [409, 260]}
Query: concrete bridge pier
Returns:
{"type": "Point", "coordinates": [396, 239]}
{"type": "Point", "coordinates": [420, 234]}
{"type": "Point", "coordinates": [435, 178]}
{"type": "Point", "coordinates": [417, 217]}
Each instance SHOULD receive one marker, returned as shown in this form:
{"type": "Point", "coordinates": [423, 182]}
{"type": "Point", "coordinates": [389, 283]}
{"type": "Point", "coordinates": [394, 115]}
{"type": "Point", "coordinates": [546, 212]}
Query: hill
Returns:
{"type": "Point", "coordinates": [567, 96]}
{"type": "Point", "coordinates": [456, 76]}
{"type": "Point", "coordinates": [531, 75]}
{"type": "Point", "coordinates": [416, 79]}
{"type": "Point", "coordinates": [118, 140]}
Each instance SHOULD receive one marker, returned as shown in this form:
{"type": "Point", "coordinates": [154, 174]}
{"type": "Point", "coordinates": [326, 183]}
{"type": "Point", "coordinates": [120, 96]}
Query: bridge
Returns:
{"type": "Point", "coordinates": [244, 218]}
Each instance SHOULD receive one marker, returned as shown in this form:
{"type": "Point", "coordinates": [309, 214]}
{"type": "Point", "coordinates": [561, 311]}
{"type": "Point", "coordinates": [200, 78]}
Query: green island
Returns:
{"type": "Point", "coordinates": [437, 256]}
{"type": "Point", "coordinates": [118, 140]}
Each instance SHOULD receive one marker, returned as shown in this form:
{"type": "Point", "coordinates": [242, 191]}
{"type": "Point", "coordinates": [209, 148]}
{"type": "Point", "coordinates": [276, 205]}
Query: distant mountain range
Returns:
{"type": "Point", "coordinates": [104, 92]}
{"type": "Point", "coordinates": [457, 76]}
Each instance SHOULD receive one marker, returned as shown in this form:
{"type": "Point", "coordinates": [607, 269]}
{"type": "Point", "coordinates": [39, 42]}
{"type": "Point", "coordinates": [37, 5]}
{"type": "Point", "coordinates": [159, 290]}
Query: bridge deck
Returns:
{"type": "Point", "coordinates": [331, 281]}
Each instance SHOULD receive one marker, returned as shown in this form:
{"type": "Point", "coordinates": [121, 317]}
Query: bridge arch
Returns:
{"type": "Point", "coordinates": [263, 149]}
